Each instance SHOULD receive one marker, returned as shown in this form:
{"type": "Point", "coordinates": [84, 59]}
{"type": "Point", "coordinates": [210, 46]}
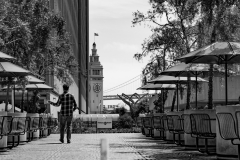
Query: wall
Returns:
{"type": "Point", "coordinates": [76, 15]}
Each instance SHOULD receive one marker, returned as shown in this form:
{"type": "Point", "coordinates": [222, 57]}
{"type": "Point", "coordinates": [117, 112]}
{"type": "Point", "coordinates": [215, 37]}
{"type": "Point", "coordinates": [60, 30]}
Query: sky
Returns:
{"type": "Point", "coordinates": [118, 40]}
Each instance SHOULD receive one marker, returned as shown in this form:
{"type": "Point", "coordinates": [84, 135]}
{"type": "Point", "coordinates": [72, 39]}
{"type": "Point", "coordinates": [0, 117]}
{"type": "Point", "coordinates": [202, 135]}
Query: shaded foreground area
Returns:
{"type": "Point", "coordinates": [122, 146]}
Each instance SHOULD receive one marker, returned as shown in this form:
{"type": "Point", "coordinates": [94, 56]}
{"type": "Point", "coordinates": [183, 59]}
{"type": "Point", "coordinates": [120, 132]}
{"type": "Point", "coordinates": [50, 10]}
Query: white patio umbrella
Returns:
{"type": "Point", "coordinates": [34, 80]}
{"type": "Point", "coordinates": [33, 87]}
{"type": "Point", "coordinates": [162, 79]}
{"type": "Point", "coordinates": [8, 69]}
{"type": "Point", "coordinates": [5, 57]}
{"type": "Point", "coordinates": [192, 70]}
{"type": "Point", "coordinates": [152, 86]}
{"type": "Point", "coordinates": [38, 87]}
{"type": "Point", "coordinates": [215, 53]}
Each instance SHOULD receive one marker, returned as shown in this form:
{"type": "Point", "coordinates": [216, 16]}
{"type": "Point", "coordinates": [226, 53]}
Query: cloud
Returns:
{"type": "Point", "coordinates": [121, 47]}
{"type": "Point", "coordinates": [115, 8]}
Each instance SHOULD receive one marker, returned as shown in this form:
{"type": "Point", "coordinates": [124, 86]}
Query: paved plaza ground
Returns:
{"type": "Point", "coordinates": [122, 146]}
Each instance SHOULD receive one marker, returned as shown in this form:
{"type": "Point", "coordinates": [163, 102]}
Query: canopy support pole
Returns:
{"type": "Point", "coordinates": [177, 99]}
{"type": "Point", "coordinates": [226, 84]}
{"type": "Point", "coordinates": [196, 89]}
{"type": "Point", "coordinates": [162, 100]}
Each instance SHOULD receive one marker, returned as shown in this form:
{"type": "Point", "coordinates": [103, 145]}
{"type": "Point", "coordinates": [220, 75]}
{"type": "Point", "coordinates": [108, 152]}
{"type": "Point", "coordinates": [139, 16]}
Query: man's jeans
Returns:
{"type": "Point", "coordinates": [63, 121]}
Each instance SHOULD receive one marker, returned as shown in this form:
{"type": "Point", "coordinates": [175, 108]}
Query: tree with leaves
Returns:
{"type": "Point", "coordinates": [179, 27]}
{"type": "Point", "coordinates": [37, 37]}
{"type": "Point", "coordinates": [220, 21]}
{"type": "Point", "coordinates": [135, 106]}
{"type": "Point", "coordinates": [173, 32]}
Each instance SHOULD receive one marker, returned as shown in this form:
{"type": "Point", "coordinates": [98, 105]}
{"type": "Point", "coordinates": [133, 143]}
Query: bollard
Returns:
{"type": "Point", "coordinates": [104, 149]}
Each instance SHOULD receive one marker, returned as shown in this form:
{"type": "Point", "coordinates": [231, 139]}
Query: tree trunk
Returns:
{"type": "Point", "coordinates": [165, 95]}
{"type": "Point", "coordinates": [162, 104]}
{"type": "Point", "coordinates": [188, 91]}
{"type": "Point", "coordinates": [210, 85]}
{"type": "Point", "coordinates": [210, 81]}
{"type": "Point", "coordinates": [6, 103]}
{"type": "Point", "coordinates": [173, 101]}
{"type": "Point", "coordinates": [22, 101]}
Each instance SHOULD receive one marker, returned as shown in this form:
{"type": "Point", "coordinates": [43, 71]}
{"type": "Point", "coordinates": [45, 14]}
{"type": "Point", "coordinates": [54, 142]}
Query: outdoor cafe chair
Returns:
{"type": "Point", "coordinates": [158, 124]}
{"type": "Point", "coordinates": [34, 126]}
{"type": "Point", "coordinates": [140, 124]}
{"type": "Point", "coordinates": [147, 124]}
{"type": "Point", "coordinates": [52, 123]}
{"type": "Point", "coordinates": [228, 128]}
{"type": "Point", "coordinates": [4, 127]}
{"type": "Point", "coordinates": [175, 126]}
{"type": "Point", "coordinates": [43, 127]}
{"type": "Point", "coordinates": [16, 126]}
{"type": "Point", "coordinates": [186, 121]}
{"type": "Point", "coordinates": [201, 129]}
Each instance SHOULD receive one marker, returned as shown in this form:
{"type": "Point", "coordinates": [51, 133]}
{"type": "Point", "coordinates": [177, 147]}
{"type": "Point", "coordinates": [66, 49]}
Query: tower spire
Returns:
{"type": "Point", "coordinates": [94, 50]}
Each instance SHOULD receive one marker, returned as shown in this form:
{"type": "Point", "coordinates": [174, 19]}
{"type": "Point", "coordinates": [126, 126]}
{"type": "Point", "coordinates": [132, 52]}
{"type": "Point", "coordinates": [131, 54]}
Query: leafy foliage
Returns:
{"type": "Point", "coordinates": [125, 121]}
{"type": "Point", "coordinates": [36, 36]}
{"type": "Point", "coordinates": [159, 103]}
{"type": "Point", "coordinates": [121, 111]}
{"type": "Point", "coordinates": [179, 27]}
{"type": "Point", "coordinates": [136, 107]}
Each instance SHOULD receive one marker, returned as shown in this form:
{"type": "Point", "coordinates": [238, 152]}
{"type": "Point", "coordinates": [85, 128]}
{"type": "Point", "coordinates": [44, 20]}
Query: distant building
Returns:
{"type": "Point", "coordinates": [95, 82]}
{"type": "Point", "coordinates": [110, 107]}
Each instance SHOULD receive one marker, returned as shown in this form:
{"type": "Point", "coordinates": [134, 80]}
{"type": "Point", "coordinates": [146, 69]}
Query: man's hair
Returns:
{"type": "Point", "coordinates": [65, 87]}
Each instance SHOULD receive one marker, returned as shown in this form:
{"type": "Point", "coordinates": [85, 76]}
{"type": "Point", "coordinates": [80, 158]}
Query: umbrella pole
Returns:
{"type": "Point", "coordinates": [177, 99]}
{"type": "Point", "coordinates": [22, 101]}
{"type": "Point", "coordinates": [226, 84]}
{"type": "Point", "coordinates": [162, 100]}
{"type": "Point", "coordinates": [13, 98]}
{"type": "Point", "coordinates": [27, 103]}
{"type": "Point", "coordinates": [196, 89]}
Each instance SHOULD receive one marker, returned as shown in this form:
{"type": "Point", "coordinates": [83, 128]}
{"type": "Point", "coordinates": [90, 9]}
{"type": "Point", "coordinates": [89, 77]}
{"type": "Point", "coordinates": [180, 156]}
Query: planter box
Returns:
{"type": "Point", "coordinates": [190, 142]}
{"type": "Point", "coordinates": [225, 148]}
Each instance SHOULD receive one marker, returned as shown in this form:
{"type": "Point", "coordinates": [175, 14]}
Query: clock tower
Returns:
{"type": "Point", "coordinates": [95, 83]}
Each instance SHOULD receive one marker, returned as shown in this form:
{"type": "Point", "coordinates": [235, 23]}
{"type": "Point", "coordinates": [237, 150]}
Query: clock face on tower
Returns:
{"type": "Point", "coordinates": [97, 87]}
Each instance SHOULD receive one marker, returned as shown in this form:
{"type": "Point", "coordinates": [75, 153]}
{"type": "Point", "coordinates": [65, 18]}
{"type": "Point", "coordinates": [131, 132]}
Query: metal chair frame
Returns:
{"type": "Point", "coordinates": [139, 122]}
{"type": "Point", "coordinates": [43, 126]}
{"type": "Point", "coordinates": [34, 126]}
{"type": "Point", "coordinates": [16, 126]}
{"type": "Point", "coordinates": [228, 127]}
{"type": "Point", "coordinates": [158, 124]}
{"type": "Point", "coordinates": [148, 125]}
{"type": "Point", "coordinates": [175, 126]}
{"type": "Point", "coordinates": [201, 129]}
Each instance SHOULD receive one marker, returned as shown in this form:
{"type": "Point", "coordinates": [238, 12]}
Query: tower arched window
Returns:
{"type": "Point", "coordinates": [95, 59]}
{"type": "Point", "coordinates": [96, 72]}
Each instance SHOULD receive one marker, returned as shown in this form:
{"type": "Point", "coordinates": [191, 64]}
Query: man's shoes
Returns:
{"type": "Point", "coordinates": [68, 141]}
{"type": "Point", "coordinates": [62, 141]}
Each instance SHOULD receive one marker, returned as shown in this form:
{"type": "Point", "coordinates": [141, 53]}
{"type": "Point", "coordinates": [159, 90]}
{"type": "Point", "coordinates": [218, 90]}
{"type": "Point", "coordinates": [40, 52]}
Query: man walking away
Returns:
{"type": "Point", "coordinates": [68, 106]}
